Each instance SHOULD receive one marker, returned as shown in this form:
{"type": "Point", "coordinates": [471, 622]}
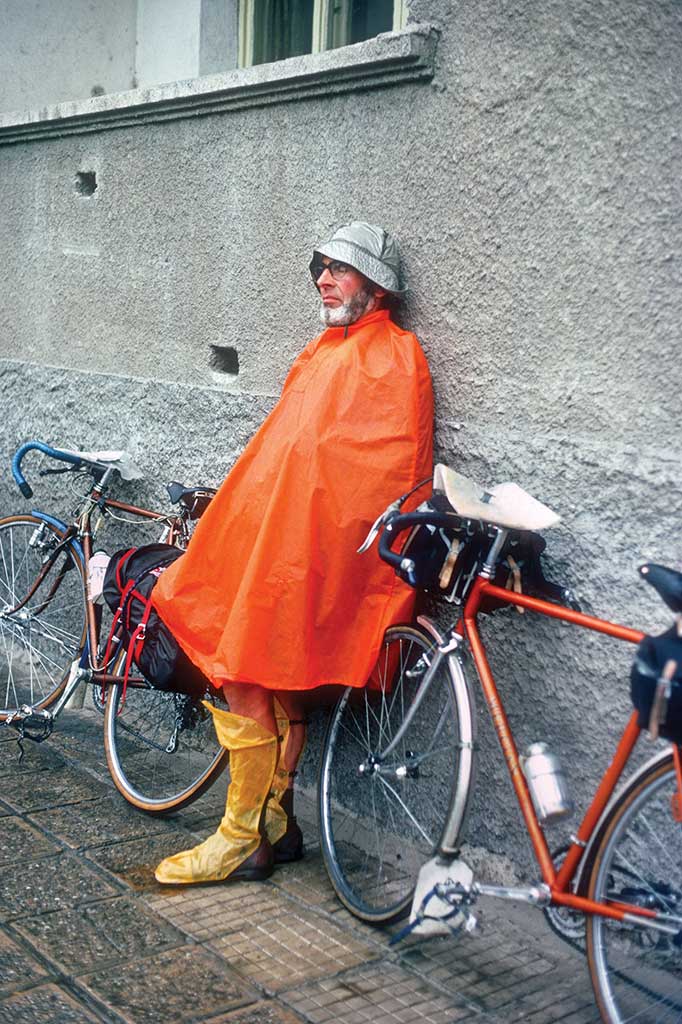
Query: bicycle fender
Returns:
{"type": "Point", "coordinates": [466, 779]}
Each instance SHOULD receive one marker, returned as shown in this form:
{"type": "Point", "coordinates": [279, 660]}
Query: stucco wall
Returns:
{"type": "Point", "coordinates": [51, 52]}
{"type": "Point", "coordinates": [534, 185]}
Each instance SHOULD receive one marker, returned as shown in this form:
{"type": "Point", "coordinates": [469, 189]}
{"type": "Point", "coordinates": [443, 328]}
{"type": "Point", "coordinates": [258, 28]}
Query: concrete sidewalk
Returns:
{"type": "Point", "coordinates": [86, 934]}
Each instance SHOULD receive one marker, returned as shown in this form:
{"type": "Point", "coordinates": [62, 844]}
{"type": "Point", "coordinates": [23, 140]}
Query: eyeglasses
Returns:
{"type": "Point", "coordinates": [336, 269]}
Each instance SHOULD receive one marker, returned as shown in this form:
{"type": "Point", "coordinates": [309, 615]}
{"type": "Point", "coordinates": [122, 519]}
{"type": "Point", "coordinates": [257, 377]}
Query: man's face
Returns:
{"type": "Point", "coordinates": [346, 295]}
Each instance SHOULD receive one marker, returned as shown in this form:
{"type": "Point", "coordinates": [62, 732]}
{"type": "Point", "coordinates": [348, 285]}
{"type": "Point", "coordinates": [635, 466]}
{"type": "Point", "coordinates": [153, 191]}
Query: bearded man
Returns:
{"type": "Point", "coordinates": [270, 599]}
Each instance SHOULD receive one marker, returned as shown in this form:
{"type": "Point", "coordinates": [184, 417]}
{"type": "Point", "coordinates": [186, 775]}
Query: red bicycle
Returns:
{"type": "Point", "coordinates": [397, 767]}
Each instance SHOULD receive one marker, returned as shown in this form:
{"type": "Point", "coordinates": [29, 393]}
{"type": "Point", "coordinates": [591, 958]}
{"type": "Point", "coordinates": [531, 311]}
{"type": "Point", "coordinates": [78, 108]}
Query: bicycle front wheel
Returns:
{"type": "Point", "coordinates": [380, 823]}
{"type": "Point", "coordinates": [636, 972]}
{"type": "Point", "coordinates": [161, 748]}
{"type": "Point", "coordinates": [40, 635]}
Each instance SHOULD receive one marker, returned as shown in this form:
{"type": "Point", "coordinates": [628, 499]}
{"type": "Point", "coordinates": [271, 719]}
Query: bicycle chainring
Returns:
{"type": "Point", "coordinates": [568, 924]}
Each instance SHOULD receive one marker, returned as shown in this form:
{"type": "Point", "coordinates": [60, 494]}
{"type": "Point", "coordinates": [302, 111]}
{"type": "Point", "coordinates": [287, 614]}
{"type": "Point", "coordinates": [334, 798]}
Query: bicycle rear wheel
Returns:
{"type": "Point", "coordinates": [637, 972]}
{"type": "Point", "coordinates": [378, 827]}
{"type": "Point", "coordinates": [162, 751]}
{"type": "Point", "coordinates": [40, 637]}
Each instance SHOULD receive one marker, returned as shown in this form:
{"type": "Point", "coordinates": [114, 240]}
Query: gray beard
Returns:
{"type": "Point", "coordinates": [348, 313]}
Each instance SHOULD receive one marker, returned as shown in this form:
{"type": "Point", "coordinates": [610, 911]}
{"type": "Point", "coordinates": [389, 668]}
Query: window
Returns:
{"type": "Point", "coordinates": [275, 29]}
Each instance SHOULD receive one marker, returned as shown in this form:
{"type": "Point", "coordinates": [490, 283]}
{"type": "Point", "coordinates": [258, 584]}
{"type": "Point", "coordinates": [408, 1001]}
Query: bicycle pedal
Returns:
{"type": "Point", "coordinates": [441, 898]}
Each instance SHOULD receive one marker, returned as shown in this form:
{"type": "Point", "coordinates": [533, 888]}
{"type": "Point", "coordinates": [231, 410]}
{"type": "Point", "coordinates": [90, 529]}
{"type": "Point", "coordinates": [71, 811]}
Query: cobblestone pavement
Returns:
{"type": "Point", "coordinates": [86, 934]}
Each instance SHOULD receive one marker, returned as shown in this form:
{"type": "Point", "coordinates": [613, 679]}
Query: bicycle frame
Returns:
{"type": "Point", "coordinates": [78, 537]}
{"type": "Point", "coordinates": [99, 673]}
{"type": "Point", "coordinates": [557, 884]}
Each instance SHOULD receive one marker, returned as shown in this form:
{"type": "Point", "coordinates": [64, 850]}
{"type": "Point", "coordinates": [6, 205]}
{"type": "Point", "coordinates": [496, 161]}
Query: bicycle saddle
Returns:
{"type": "Point", "coordinates": [506, 505]}
{"type": "Point", "coordinates": [666, 582]}
{"type": "Point", "coordinates": [195, 499]}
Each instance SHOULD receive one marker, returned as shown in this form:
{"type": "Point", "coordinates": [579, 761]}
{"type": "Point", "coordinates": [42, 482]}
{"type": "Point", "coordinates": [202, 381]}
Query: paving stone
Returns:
{"type": "Point", "coordinates": [500, 971]}
{"type": "Point", "coordinates": [173, 986]}
{"type": "Point", "coordinates": [94, 823]}
{"type": "Point", "coordinates": [79, 734]}
{"type": "Point", "coordinates": [19, 841]}
{"type": "Point", "coordinates": [208, 911]}
{"type": "Point", "coordinates": [552, 1001]}
{"type": "Point", "coordinates": [134, 862]}
{"type": "Point", "coordinates": [307, 881]}
{"type": "Point", "coordinates": [54, 883]}
{"type": "Point", "coordinates": [376, 994]}
{"type": "Point", "coordinates": [203, 815]}
{"type": "Point", "coordinates": [265, 1012]}
{"type": "Point", "coordinates": [46, 1004]}
{"type": "Point", "coordinates": [108, 932]}
{"type": "Point", "coordinates": [588, 1015]}
{"type": "Point", "coordinates": [38, 757]}
{"type": "Point", "coordinates": [17, 968]}
{"type": "Point", "coordinates": [53, 789]}
{"type": "Point", "coordinates": [278, 944]}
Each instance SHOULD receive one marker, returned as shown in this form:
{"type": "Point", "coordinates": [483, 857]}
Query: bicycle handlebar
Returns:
{"type": "Point", "coordinates": [46, 449]}
{"type": "Point", "coordinates": [398, 523]}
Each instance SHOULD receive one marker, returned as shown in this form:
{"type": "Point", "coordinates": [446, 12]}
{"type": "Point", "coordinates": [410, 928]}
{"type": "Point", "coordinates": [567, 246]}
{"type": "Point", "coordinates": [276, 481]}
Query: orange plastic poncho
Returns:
{"type": "Point", "coordinates": [271, 590]}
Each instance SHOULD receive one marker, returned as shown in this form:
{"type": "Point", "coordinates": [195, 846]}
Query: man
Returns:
{"type": "Point", "coordinates": [271, 599]}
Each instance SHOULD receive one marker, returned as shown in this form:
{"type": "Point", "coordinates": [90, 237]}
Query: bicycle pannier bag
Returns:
{"type": "Point", "coordinates": [656, 685]}
{"type": "Point", "coordinates": [129, 581]}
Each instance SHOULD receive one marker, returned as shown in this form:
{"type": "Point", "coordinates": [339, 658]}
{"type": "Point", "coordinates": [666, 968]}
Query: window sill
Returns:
{"type": "Point", "coordinates": [389, 59]}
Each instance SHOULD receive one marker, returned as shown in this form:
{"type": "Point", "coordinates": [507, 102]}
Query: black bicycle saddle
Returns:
{"type": "Point", "coordinates": [666, 582]}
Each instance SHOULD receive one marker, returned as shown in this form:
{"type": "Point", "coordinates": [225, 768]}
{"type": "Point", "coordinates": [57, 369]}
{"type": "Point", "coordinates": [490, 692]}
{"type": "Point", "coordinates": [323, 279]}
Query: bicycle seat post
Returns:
{"type": "Point", "coordinates": [490, 564]}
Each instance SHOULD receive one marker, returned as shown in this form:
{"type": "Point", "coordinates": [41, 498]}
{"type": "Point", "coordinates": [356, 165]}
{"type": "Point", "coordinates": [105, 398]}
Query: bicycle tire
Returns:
{"type": "Point", "coordinates": [40, 641]}
{"type": "Point", "coordinates": [636, 972]}
{"type": "Point", "coordinates": [154, 767]}
{"type": "Point", "coordinates": [376, 830]}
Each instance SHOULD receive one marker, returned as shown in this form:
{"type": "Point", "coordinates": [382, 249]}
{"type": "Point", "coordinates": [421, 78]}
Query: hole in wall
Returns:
{"type": "Point", "coordinates": [86, 182]}
{"type": "Point", "coordinates": [224, 359]}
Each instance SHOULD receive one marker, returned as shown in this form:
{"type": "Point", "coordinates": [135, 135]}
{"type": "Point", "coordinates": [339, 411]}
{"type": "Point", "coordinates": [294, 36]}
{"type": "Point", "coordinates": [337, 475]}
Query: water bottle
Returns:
{"type": "Point", "coordinates": [547, 784]}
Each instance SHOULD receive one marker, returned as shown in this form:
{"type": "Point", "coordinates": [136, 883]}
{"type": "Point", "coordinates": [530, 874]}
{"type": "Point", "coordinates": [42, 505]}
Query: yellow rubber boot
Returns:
{"type": "Point", "coordinates": [253, 757]}
{"type": "Point", "coordinates": [281, 827]}
{"type": "Point", "coordinates": [275, 816]}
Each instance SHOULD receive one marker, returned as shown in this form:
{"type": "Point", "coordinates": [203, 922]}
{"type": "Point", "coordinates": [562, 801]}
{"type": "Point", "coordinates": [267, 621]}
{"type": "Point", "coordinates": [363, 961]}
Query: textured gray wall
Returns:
{"type": "Point", "coordinates": [535, 188]}
{"type": "Point", "coordinates": [62, 50]}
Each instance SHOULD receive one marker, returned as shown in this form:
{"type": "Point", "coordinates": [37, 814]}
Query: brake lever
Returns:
{"type": "Point", "coordinates": [387, 514]}
{"type": "Point", "coordinates": [62, 469]}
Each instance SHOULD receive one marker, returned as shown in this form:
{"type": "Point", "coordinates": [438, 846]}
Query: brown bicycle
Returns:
{"type": "Point", "coordinates": [161, 748]}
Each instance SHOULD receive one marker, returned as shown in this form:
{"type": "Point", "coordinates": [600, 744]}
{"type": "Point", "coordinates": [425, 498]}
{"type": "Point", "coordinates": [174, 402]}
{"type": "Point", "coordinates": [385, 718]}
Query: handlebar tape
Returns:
{"type": "Point", "coordinates": [54, 453]}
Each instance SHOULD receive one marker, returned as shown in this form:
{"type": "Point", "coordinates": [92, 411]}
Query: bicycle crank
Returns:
{"type": "Point", "coordinates": [30, 724]}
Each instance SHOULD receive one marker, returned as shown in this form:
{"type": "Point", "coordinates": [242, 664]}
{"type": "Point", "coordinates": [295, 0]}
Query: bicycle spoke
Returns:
{"type": "Point", "coordinates": [41, 639]}
{"type": "Point", "coordinates": [379, 825]}
{"type": "Point", "coordinates": [407, 810]}
{"type": "Point", "coordinates": [637, 971]}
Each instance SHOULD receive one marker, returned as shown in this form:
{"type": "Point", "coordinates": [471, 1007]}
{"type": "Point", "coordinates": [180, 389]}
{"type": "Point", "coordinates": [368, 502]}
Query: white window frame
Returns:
{"type": "Point", "coordinates": [321, 26]}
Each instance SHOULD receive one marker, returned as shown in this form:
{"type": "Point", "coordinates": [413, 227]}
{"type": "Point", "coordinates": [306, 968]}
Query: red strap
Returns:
{"type": "Point", "coordinates": [110, 640]}
{"type": "Point", "coordinates": [130, 655]}
{"type": "Point", "coordinates": [140, 632]}
{"type": "Point", "coordinates": [119, 565]}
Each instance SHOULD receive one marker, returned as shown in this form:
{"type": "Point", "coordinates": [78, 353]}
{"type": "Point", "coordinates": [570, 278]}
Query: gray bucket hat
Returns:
{"type": "Point", "coordinates": [369, 249]}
